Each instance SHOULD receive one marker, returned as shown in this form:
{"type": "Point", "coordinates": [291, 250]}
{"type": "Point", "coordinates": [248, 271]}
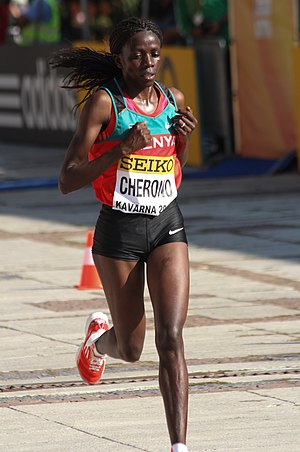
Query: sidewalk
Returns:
{"type": "Point", "coordinates": [242, 333]}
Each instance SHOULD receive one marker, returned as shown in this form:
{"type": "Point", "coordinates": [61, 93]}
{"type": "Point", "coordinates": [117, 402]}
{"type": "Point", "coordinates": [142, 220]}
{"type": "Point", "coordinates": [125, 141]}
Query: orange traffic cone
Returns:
{"type": "Point", "coordinates": [89, 276]}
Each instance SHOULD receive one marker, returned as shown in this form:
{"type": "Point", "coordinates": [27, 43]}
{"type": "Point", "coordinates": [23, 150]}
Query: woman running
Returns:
{"type": "Point", "coordinates": [131, 142]}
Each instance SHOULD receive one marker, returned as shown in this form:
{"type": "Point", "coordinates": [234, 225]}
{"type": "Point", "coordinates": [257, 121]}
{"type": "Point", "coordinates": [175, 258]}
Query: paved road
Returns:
{"type": "Point", "coordinates": [242, 333]}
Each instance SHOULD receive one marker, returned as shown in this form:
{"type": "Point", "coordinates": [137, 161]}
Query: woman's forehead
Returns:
{"type": "Point", "coordinates": [142, 38]}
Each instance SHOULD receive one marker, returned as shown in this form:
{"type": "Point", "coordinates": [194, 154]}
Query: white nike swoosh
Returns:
{"type": "Point", "coordinates": [168, 126]}
{"type": "Point", "coordinates": [171, 232]}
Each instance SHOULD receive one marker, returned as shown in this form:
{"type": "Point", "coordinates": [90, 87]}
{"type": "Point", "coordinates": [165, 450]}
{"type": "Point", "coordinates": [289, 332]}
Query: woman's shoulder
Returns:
{"type": "Point", "coordinates": [179, 96]}
{"type": "Point", "coordinates": [98, 106]}
{"type": "Point", "coordinates": [100, 96]}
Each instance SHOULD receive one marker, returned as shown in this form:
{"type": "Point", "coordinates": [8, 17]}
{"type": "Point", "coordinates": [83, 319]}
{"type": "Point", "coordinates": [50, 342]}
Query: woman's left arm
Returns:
{"type": "Point", "coordinates": [185, 123]}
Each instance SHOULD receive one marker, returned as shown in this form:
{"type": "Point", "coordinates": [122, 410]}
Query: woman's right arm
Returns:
{"type": "Point", "coordinates": [77, 171]}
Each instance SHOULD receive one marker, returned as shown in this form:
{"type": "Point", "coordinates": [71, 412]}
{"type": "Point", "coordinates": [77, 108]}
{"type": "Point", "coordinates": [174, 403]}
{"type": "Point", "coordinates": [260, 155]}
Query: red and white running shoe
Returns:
{"type": "Point", "coordinates": [90, 364]}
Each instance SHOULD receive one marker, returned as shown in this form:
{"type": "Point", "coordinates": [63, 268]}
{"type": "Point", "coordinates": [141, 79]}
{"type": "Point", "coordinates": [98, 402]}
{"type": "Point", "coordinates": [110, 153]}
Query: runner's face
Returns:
{"type": "Point", "coordinates": [140, 59]}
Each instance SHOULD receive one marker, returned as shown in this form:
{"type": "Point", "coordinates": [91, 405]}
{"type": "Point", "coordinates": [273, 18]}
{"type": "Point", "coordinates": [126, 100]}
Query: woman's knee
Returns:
{"type": "Point", "coordinates": [169, 340]}
{"type": "Point", "coordinates": [131, 350]}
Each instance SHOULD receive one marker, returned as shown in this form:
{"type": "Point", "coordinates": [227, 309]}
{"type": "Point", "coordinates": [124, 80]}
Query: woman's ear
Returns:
{"type": "Point", "coordinates": [117, 60]}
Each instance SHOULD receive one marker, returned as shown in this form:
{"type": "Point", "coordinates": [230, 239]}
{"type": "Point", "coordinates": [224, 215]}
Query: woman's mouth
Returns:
{"type": "Point", "coordinates": [148, 75]}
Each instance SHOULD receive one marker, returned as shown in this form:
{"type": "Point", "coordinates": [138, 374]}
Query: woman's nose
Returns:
{"type": "Point", "coordinates": [147, 60]}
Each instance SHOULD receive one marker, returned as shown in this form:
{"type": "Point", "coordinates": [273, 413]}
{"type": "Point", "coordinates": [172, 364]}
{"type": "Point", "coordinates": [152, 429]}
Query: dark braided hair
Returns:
{"type": "Point", "coordinates": [91, 68]}
{"type": "Point", "coordinates": [128, 28]}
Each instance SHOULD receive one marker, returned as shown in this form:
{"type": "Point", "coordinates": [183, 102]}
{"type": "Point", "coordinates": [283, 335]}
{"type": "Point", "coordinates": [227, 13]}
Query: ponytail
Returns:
{"type": "Point", "coordinates": [88, 68]}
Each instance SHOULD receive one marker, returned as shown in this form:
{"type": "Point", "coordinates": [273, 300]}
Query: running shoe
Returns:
{"type": "Point", "coordinates": [90, 364]}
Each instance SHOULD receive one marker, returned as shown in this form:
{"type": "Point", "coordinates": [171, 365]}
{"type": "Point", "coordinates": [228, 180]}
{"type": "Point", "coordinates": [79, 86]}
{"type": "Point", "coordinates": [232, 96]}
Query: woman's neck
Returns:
{"type": "Point", "coordinates": [146, 100]}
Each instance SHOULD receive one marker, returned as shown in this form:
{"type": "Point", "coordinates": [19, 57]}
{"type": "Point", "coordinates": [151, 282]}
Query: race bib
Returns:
{"type": "Point", "coordinates": [144, 184]}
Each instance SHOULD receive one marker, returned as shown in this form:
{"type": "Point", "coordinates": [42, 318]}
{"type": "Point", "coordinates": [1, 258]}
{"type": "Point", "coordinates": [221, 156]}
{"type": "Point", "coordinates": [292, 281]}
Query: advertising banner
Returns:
{"type": "Point", "coordinates": [296, 60]}
{"type": "Point", "coordinates": [33, 109]}
{"type": "Point", "coordinates": [262, 77]}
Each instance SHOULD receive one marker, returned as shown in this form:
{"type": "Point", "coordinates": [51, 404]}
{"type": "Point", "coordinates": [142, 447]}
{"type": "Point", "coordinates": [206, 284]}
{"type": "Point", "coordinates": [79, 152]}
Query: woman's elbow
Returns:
{"type": "Point", "coordinates": [183, 160]}
{"type": "Point", "coordinates": [62, 186]}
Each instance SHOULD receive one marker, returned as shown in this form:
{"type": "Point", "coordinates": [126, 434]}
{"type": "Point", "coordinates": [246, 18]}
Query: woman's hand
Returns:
{"type": "Point", "coordinates": [137, 138]}
{"type": "Point", "coordinates": [185, 122]}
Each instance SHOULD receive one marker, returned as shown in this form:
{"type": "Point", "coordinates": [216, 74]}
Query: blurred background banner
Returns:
{"type": "Point", "coordinates": [262, 33]}
{"type": "Point", "coordinates": [296, 61]}
{"type": "Point", "coordinates": [33, 109]}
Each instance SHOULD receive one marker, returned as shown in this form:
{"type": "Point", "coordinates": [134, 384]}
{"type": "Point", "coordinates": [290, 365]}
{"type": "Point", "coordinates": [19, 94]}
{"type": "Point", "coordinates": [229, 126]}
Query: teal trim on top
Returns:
{"type": "Point", "coordinates": [112, 99]}
{"type": "Point", "coordinates": [161, 124]}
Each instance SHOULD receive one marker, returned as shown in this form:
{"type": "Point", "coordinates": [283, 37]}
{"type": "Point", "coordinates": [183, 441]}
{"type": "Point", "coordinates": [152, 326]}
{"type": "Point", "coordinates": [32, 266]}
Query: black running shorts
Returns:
{"type": "Point", "coordinates": [129, 236]}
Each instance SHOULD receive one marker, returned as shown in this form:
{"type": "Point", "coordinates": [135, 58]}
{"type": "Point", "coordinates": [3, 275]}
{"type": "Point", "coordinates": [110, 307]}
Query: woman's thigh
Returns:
{"type": "Point", "coordinates": [123, 284]}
